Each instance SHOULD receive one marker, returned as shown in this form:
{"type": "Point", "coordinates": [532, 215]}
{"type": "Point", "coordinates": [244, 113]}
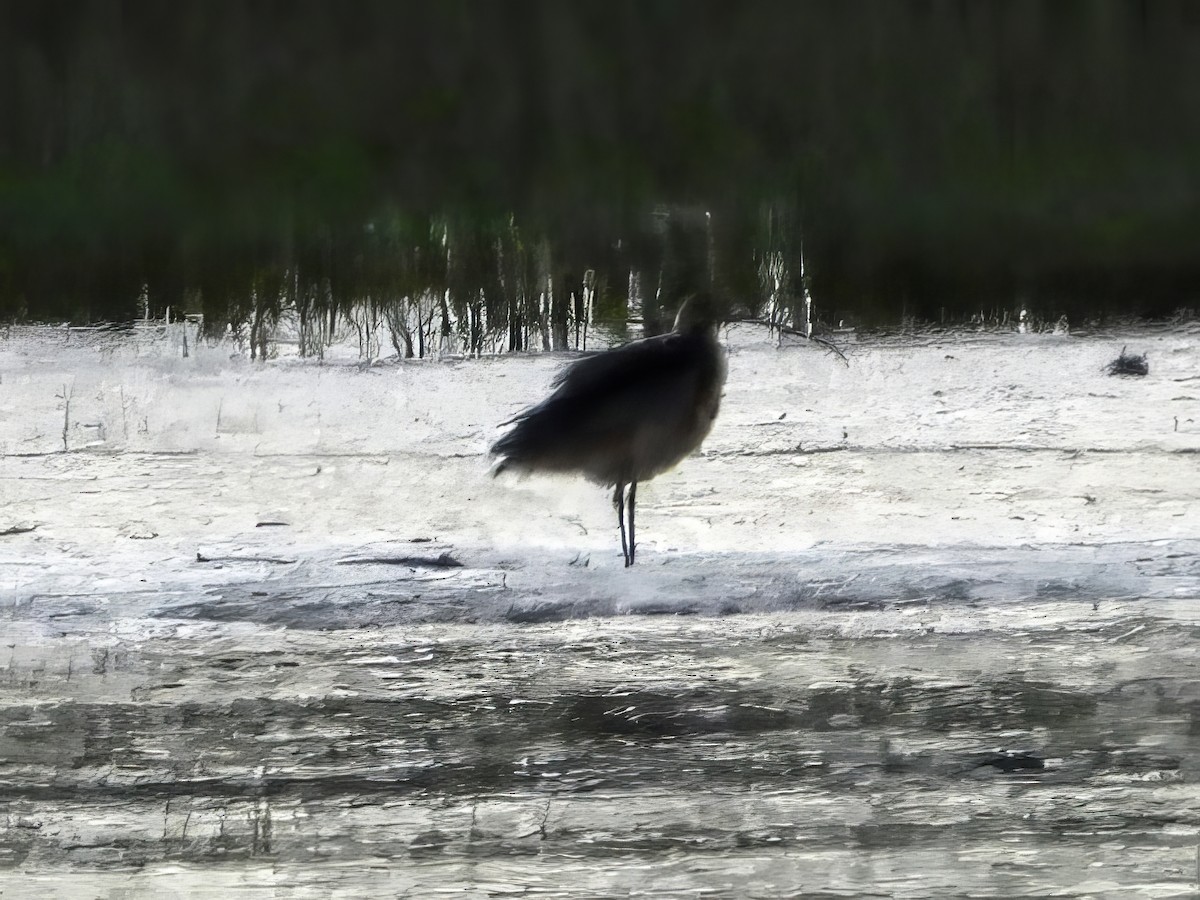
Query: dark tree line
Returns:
{"type": "Point", "coordinates": [498, 169]}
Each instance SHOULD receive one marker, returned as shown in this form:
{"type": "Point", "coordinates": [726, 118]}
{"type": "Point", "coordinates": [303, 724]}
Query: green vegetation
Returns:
{"type": "Point", "coordinates": [495, 167]}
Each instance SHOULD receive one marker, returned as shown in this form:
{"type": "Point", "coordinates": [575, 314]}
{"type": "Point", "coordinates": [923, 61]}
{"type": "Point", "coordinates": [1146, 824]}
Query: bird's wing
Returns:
{"type": "Point", "coordinates": [617, 393]}
{"type": "Point", "coordinates": [639, 363]}
{"type": "Point", "coordinates": [597, 431]}
{"type": "Point", "coordinates": [603, 399]}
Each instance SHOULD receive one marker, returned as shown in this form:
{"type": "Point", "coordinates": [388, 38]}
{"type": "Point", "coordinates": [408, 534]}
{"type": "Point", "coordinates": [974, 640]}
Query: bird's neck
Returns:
{"type": "Point", "coordinates": [699, 330]}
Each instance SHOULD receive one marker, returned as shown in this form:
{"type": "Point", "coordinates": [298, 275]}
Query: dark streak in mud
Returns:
{"type": "Point", "coordinates": [443, 561]}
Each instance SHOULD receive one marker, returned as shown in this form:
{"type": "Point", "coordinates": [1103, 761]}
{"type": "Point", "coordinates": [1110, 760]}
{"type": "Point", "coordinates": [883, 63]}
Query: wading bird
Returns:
{"type": "Point", "coordinates": [627, 414]}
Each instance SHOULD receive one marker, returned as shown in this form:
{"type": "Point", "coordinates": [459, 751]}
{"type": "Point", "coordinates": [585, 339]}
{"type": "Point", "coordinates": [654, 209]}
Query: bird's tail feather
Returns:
{"type": "Point", "coordinates": [521, 447]}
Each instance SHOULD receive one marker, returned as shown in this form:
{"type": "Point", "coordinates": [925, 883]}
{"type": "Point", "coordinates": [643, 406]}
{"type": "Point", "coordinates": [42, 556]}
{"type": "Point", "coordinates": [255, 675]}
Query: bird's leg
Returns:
{"type": "Point", "coordinates": [632, 505]}
{"type": "Point", "coordinates": [619, 505]}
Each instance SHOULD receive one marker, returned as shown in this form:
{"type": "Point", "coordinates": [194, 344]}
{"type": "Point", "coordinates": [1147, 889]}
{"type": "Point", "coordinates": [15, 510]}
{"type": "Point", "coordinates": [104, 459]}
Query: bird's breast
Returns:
{"type": "Point", "coordinates": [674, 434]}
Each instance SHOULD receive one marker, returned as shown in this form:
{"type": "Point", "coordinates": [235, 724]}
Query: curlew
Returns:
{"type": "Point", "coordinates": [625, 415]}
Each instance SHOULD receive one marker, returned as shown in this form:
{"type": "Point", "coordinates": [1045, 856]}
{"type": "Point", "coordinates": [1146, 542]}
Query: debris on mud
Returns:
{"type": "Point", "coordinates": [1128, 364]}
{"type": "Point", "coordinates": [1009, 761]}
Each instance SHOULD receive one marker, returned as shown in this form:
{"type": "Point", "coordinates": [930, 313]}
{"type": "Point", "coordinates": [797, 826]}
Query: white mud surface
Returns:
{"type": "Point", "coordinates": [922, 625]}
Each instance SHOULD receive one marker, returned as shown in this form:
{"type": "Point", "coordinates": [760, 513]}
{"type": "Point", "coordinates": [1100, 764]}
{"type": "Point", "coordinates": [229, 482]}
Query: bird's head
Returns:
{"type": "Point", "coordinates": [699, 312]}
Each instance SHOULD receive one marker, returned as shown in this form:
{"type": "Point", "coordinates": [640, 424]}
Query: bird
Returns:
{"type": "Point", "coordinates": [623, 416]}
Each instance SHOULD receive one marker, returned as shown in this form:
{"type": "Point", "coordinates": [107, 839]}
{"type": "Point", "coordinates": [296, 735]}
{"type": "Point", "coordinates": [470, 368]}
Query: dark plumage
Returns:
{"type": "Point", "coordinates": [627, 414]}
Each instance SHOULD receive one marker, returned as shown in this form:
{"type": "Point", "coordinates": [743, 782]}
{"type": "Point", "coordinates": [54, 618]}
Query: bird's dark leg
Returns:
{"type": "Point", "coordinates": [619, 505]}
{"type": "Point", "coordinates": [632, 504]}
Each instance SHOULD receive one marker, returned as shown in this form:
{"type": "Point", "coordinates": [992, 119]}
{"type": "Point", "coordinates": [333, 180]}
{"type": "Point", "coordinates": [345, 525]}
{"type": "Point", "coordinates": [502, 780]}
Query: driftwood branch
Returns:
{"type": "Point", "coordinates": [829, 345]}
